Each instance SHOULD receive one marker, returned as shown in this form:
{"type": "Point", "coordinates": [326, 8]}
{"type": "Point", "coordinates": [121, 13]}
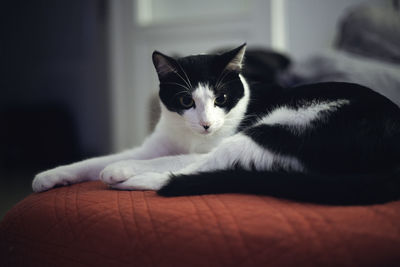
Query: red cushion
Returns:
{"type": "Point", "coordinates": [90, 225]}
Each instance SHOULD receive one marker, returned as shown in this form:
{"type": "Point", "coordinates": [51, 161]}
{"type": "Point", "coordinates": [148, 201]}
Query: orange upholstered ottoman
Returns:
{"type": "Point", "coordinates": [90, 225]}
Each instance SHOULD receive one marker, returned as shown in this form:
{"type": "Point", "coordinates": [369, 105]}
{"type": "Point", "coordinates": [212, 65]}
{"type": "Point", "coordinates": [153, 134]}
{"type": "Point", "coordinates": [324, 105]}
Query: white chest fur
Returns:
{"type": "Point", "coordinates": [185, 141]}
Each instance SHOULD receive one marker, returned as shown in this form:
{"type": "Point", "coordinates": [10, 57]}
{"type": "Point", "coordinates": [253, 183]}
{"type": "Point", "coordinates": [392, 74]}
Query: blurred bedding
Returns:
{"type": "Point", "coordinates": [367, 51]}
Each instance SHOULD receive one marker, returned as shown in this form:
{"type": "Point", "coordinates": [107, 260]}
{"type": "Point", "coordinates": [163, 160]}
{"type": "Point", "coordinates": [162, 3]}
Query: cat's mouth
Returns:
{"type": "Point", "coordinates": [206, 132]}
{"type": "Point", "coordinates": [203, 132]}
{"type": "Point", "coordinates": [200, 129]}
{"type": "Point", "coordinates": [209, 132]}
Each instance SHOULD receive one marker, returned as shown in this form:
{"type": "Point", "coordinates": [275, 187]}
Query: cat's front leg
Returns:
{"type": "Point", "coordinates": [63, 175]}
{"type": "Point", "coordinates": [127, 170]}
{"type": "Point", "coordinates": [238, 149]}
{"type": "Point", "coordinates": [155, 146]}
{"type": "Point", "coordinates": [74, 173]}
{"type": "Point", "coordinates": [144, 181]}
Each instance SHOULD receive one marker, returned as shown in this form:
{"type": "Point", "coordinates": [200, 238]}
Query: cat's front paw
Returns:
{"type": "Point", "coordinates": [144, 181]}
{"type": "Point", "coordinates": [51, 178]}
{"type": "Point", "coordinates": [117, 173]}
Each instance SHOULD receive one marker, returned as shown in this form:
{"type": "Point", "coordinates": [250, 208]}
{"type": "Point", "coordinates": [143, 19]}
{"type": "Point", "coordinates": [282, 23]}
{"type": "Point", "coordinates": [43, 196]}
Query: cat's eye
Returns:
{"type": "Point", "coordinates": [221, 100]}
{"type": "Point", "coordinates": [186, 101]}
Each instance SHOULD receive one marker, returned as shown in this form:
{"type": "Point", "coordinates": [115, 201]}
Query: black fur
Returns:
{"type": "Point", "coordinates": [361, 137]}
{"type": "Point", "coordinates": [351, 155]}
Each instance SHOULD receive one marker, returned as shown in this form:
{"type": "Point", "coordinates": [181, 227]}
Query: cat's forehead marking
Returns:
{"type": "Point", "coordinates": [202, 92]}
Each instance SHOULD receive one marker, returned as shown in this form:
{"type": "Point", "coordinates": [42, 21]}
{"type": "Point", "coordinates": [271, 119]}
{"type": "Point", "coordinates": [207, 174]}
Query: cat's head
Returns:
{"type": "Point", "coordinates": [203, 89]}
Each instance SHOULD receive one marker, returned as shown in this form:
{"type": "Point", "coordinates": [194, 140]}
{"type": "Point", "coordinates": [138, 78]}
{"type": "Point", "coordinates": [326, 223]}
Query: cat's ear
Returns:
{"type": "Point", "coordinates": [234, 58]}
{"type": "Point", "coordinates": [164, 64]}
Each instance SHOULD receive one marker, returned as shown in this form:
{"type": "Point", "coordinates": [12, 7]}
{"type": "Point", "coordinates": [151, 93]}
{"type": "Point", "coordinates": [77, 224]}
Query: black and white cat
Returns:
{"type": "Point", "coordinates": [329, 142]}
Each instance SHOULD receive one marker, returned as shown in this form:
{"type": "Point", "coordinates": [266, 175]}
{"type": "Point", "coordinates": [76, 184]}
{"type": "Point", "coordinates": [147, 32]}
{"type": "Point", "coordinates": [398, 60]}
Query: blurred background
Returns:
{"type": "Point", "coordinates": [77, 79]}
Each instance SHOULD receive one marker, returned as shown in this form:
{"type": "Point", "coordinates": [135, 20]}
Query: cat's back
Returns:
{"type": "Point", "coordinates": [330, 91]}
{"type": "Point", "coordinates": [359, 102]}
{"type": "Point", "coordinates": [267, 97]}
{"type": "Point", "coordinates": [336, 120]}
{"type": "Point", "coordinates": [346, 103]}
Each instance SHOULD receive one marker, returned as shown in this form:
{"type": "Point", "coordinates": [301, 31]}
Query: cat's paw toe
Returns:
{"type": "Point", "coordinates": [51, 178]}
{"type": "Point", "coordinates": [116, 173]}
{"type": "Point", "coordinates": [144, 181]}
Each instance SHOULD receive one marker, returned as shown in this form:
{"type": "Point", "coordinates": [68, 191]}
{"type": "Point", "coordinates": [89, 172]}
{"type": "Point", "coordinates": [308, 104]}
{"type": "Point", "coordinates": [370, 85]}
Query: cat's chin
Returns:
{"type": "Point", "coordinates": [207, 133]}
{"type": "Point", "coordinates": [204, 133]}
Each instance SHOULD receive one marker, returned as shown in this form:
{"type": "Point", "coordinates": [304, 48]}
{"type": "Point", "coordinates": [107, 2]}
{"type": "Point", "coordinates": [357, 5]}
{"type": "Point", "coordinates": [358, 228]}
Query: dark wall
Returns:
{"type": "Point", "coordinates": [54, 87]}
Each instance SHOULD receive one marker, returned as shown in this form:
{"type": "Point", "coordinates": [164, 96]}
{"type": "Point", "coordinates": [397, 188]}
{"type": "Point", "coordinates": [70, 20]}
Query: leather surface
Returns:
{"type": "Point", "coordinates": [90, 225]}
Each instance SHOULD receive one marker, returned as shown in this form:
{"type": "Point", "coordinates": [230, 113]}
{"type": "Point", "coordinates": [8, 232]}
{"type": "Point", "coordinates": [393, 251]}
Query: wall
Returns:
{"type": "Point", "coordinates": [53, 53]}
{"type": "Point", "coordinates": [311, 24]}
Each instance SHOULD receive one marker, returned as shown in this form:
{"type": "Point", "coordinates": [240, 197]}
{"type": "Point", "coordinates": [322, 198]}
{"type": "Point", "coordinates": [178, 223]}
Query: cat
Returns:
{"type": "Point", "coordinates": [333, 142]}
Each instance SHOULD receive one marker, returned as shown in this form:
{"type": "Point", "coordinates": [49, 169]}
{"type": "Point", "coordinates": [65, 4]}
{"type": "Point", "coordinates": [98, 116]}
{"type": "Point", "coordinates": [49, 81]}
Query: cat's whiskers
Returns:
{"type": "Point", "coordinates": [187, 84]}
{"type": "Point", "coordinates": [221, 77]}
{"type": "Point", "coordinates": [184, 72]}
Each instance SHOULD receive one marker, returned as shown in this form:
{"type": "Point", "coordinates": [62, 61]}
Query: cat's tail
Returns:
{"type": "Point", "coordinates": [361, 189]}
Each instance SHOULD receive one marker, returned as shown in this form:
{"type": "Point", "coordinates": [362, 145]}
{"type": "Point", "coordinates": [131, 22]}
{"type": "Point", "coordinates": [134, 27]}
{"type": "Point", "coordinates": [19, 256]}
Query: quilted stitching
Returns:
{"type": "Point", "coordinates": [89, 225]}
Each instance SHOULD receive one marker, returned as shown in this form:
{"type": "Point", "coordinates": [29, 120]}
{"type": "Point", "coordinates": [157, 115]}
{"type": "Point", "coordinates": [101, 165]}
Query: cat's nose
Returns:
{"type": "Point", "coordinates": [205, 125]}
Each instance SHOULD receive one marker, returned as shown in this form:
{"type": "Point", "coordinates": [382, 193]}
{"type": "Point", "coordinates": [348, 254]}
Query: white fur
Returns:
{"type": "Point", "coordinates": [238, 149]}
{"type": "Point", "coordinates": [241, 149]}
{"type": "Point", "coordinates": [123, 170]}
{"type": "Point", "coordinates": [302, 117]}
